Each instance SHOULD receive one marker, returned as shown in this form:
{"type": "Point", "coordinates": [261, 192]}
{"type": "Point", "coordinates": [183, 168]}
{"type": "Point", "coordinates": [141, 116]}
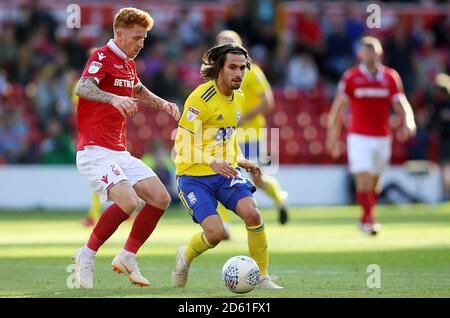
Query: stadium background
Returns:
{"type": "Point", "coordinates": [303, 48]}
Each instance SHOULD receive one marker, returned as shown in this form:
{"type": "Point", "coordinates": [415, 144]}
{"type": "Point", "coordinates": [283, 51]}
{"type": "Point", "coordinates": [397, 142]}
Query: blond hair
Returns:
{"type": "Point", "coordinates": [229, 34]}
{"type": "Point", "coordinates": [129, 17]}
{"type": "Point", "coordinates": [442, 80]}
{"type": "Point", "coordinates": [373, 43]}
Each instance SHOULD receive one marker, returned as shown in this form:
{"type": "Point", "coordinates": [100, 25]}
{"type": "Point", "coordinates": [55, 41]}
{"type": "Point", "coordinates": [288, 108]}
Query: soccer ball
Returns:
{"type": "Point", "coordinates": [240, 274]}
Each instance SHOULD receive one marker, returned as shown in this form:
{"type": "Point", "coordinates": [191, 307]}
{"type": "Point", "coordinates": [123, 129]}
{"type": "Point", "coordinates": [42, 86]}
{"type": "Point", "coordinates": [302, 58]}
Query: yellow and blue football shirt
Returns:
{"type": "Point", "coordinates": [207, 130]}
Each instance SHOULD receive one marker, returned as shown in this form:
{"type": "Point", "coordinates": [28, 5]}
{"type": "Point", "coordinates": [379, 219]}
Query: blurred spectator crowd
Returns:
{"type": "Point", "coordinates": [303, 50]}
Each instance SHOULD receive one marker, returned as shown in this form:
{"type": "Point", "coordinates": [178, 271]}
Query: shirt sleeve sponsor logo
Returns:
{"type": "Point", "coordinates": [192, 113]}
{"type": "Point", "coordinates": [94, 67]}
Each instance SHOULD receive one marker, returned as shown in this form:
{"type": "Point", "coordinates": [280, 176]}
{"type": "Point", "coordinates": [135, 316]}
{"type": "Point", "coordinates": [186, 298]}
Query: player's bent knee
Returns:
{"type": "Point", "coordinates": [161, 201]}
{"type": "Point", "coordinates": [253, 218]}
{"type": "Point", "coordinates": [214, 237]}
{"type": "Point", "coordinates": [362, 188]}
{"type": "Point", "coordinates": [159, 198]}
{"type": "Point", "coordinates": [165, 201]}
{"type": "Point", "coordinates": [214, 241]}
{"type": "Point", "coordinates": [363, 182]}
{"type": "Point", "coordinates": [129, 205]}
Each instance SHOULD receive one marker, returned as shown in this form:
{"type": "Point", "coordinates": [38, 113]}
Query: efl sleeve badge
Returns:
{"type": "Point", "coordinates": [94, 67]}
{"type": "Point", "coordinates": [192, 114]}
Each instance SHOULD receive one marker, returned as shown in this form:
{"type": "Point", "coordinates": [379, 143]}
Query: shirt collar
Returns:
{"type": "Point", "coordinates": [378, 76]}
{"type": "Point", "coordinates": [113, 46]}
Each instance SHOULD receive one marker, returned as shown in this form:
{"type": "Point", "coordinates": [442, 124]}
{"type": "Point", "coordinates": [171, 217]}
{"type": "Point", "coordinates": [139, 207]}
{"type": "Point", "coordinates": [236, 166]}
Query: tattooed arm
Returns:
{"type": "Point", "coordinates": [147, 98]}
{"type": "Point", "coordinates": [87, 89]}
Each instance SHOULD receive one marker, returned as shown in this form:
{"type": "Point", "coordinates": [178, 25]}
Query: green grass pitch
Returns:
{"type": "Point", "coordinates": [320, 253]}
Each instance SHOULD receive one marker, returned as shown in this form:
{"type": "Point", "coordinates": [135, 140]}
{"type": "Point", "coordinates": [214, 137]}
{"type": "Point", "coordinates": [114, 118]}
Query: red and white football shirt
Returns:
{"type": "Point", "coordinates": [370, 97]}
{"type": "Point", "coordinates": [100, 124]}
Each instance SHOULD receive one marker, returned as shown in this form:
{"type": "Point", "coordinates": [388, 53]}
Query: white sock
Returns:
{"type": "Point", "coordinates": [127, 253]}
{"type": "Point", "coordinates": [89, 252]}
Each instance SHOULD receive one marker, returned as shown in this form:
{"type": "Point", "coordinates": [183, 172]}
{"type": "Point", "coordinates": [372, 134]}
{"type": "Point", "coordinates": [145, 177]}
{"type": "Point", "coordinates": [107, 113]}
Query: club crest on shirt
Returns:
{"type": "Point", "coordinates": [238, 114]}
{"type": "Point", "coordinates": [115, 170]}
{"type": "Point", "coordinates": [192, 113]}
{"type": "Point", "coordinates": [94, 67]}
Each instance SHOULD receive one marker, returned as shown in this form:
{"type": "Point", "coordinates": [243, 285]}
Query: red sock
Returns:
{"type": "Point", "coordinates": [107, 224]}
{"type": "Point", "coordinates": [373, 199]}
{"type": "Point", "coordinates": [376, 196]}
{"type": "Point", "coordinates": [143, 225]}
{"type": "Point", "coordinates": [367, 201]}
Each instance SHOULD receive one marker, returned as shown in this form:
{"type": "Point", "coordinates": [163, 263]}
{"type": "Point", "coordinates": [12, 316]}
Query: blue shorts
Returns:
{"type": "Point", "coordinates": [200, 194]}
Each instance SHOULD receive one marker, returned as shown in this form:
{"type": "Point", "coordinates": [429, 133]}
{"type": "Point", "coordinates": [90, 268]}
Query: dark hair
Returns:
{"type": "Point", "coordinates": [214, 59]}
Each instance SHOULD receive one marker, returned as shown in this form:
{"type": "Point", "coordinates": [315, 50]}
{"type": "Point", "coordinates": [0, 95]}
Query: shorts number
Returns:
{"type": "Point", "coordinates": [237, 180]}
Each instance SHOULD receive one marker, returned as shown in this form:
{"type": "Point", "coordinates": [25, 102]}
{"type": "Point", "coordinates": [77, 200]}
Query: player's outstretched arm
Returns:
{"type": "Point", "coordinates": [87, 88]}
{"type": "Point", "coordinates": [404, 109]}
{"type": "Point", "coordinates": [334, 125]}
{"type": "Point", "coordinates": [147, 98]}
{"type": "Point", "coordinates": [402, 106]}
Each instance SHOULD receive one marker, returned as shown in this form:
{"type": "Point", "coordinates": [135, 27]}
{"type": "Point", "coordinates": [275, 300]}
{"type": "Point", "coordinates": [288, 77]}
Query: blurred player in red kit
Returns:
{"type": "Point", "coordinates": [109, 91]}
{"type": "Point", "coordinates": [370, 89]}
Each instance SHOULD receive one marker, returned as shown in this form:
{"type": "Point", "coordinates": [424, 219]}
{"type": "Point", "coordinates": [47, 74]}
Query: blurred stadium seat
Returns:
{"type": "Point", "coordinates": [41, 60]}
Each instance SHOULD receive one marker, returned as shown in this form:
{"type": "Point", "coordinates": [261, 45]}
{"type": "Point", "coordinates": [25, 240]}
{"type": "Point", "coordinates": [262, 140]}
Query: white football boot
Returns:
{"type": "Point", "coordinates": [126, 263]}
{"type": "Point", "coordinates": [283, 216]}
{"type": "Point", "coordinates": [376, 227]}
{"type": "Point", "coordinates": [181, 271]}
{"type": "Point", "coordinates": [369, 229]}
{"type": "Point", "coordinates": [267, 282]}
{"type": "Point", "coordinates": [84, 269]}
